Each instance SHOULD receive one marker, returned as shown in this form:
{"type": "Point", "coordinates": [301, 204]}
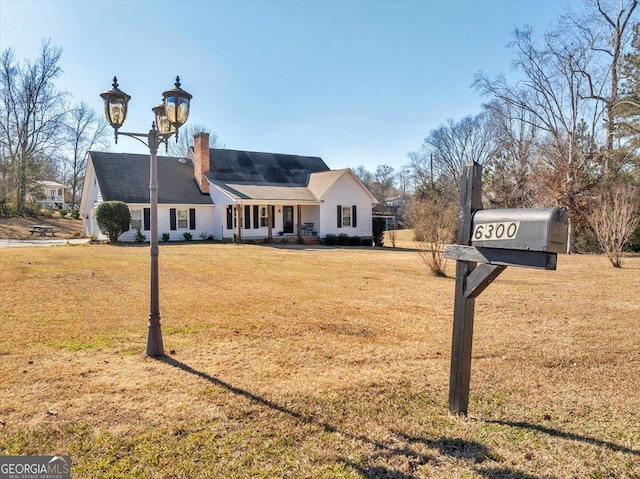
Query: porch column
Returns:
{"type": "Point", "coordinates": [238, 222]}
{"type": "Point", "coordinates": [269, 223]}
{"type": "Point", "coordinates": [299, 208]}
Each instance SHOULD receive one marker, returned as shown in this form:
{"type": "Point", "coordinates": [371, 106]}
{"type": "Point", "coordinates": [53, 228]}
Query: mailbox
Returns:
{"type": "Point", "coordinates": [542, 229]}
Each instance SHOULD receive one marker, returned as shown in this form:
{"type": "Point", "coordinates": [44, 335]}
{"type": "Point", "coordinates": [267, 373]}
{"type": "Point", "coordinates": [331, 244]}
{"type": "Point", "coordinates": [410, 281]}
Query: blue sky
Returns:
{"type": "Point", "coordinates": [357, 83]}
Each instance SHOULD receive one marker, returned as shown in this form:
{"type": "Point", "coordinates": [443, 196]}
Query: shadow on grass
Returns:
{"type": "Point", "coordinates": [294, 245]}
{"type": "Point", "coordinates": [376, 472]}
{"type": "Point", "coordinates": [504, 473]}
{"type": "Point", "coordinates": [456, 448]}
{"type": "Point", "coordinates": [365, 470]}
{"type": "Point", "coordinates": [567, 435]}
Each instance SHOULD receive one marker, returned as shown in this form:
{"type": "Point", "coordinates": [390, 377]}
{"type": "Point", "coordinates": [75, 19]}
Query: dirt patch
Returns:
{"type": "Point", "coordinates": [18, 228]}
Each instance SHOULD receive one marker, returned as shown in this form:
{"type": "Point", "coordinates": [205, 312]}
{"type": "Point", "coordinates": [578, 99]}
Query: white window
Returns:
{"type": "Point", "coordinates": [136, 219]}
{"type": "Point", "coordinates": [346, 216]}
{"type": "Point", "coordinates": [183, 219]}
{"type": "Point", "coordinates": [263, 216]}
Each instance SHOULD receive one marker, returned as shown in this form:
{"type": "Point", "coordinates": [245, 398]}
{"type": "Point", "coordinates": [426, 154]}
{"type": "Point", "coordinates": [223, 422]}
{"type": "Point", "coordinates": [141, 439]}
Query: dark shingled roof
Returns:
{"type": "Point", "coordinates": [125, 177]}
{"type": "Point", "coordinates": [233, 166]}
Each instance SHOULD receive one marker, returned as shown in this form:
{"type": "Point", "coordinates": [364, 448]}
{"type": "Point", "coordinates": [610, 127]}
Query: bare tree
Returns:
{"type": "Point", "coordinates": [86, 130]}
{"type": "Point", "coordinates": [404, 178]}
{"type": "Point", "coordinates": [509, 173]}
{"type": "Point", "coordinates": [421, 167]}
{"type": "Point", "coordinates": [450, 146]}
{"type": "Point", "coordinates": [383, 182]}
{"type": "Point", "coordinates": [363, 175]}
{"type": "Point", "coordinates": [185, 139]}
{"type": "Point", "coordinates": [32, 115]}
{"type": "Point", "coordinates": [629, 103]}
{"type": "Point", "coordinates": [555, 94]}
{"type": "Point", "coordinates": [606, 28]}
{"type": "Point", "coordinates": [614, 219]}
{"type": "Point", "coordinates": [434, 221]}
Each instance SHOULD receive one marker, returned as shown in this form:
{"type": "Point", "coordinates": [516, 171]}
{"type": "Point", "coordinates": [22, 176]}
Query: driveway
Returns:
{"type": "Point", "coordinates": [4, 243]}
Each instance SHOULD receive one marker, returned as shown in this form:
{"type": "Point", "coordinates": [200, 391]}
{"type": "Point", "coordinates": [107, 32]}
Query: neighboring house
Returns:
{"type": "Point", "coordinates": [391, 211]}
{"type": "Point", "coordinates": [394, 204]}
{"type": "Point", "coordinates": [226, 193]}
{"type": "Point", "coordinates": [53, 195]}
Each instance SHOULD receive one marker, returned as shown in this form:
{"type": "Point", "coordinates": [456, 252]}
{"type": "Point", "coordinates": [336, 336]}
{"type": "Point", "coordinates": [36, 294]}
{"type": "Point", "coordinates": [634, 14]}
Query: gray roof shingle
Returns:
{"type": "Point", "coordinates": [125, 177]}
{"type": "Point", "coordinates": [235, 166]}
{"type": "Point", "coordinates": [267, 192]}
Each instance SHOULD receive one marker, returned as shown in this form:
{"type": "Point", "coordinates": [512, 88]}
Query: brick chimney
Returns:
{"type": "Point", "coordinates": [201, 165]}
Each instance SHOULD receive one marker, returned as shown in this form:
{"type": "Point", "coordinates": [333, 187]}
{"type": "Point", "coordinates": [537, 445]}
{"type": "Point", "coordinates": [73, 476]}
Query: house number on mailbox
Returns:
{"type": "Point", "coordinates": [496, 231]}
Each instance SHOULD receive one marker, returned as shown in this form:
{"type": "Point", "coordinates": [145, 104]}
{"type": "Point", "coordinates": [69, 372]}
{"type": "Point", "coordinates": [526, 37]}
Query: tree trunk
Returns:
{"type": "Point", "coordinates": [22, 185]}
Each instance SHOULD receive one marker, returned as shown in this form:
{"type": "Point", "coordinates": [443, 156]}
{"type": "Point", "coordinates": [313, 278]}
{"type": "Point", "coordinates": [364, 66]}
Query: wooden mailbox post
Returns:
{"type": "Point", "coordinates": [495, 239]}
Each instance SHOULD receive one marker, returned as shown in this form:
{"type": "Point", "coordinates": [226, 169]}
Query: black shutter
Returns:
{"type": "Point", "coordinates": [273, 216]}
{"type": "Point", "coordinates": [339, 216]}
{"type": "Point", "coordinates": [147, 219]}
{"type": "Point", "coordinates": [247, 217]}
{"type": "Point", "coordinates": [192, 218]}
{"type": "Point", "coordinates": [229, 217]}
{"type": "Point", "coordinates": [354, 216]}
{"type": "Point", "coordinates": [256, 217]}
{"type": "Point", "coordinates": [172, 219]}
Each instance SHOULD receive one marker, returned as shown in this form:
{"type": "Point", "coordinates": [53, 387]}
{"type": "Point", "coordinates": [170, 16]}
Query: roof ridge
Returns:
{"type": "Point", "coordinates": [265, 152]}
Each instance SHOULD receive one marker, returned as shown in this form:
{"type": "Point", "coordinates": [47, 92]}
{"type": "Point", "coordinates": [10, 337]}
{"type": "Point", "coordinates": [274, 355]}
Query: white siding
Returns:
{"type": "Point", "coordinates": [219, 214]}
{"type": "Point", "coordinates": [346, 192]}
{"type": "Point", "coordinates": [204, 222]}
{"type": "Point", "coordinates": [91, 197]}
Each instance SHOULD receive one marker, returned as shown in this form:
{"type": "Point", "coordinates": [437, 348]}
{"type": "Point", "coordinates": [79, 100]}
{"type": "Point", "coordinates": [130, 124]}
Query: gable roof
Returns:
{"type": "Point", "coordinates": [51, 184]}
{"type": "Point", "coordinates": [125, 177]}
{"type": "Point", "coordinates": [321, 182]}
{"type": "Point", "coordinates": [235, 166]}
{"type": "Point", "coordinates": [241, 175]}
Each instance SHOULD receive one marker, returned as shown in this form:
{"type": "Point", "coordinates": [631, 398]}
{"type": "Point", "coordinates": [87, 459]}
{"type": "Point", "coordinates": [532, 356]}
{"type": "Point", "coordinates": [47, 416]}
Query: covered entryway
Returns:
{"type": "Point", "coordinates": [252, 220]}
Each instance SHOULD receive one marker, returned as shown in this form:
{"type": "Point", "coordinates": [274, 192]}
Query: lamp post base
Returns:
{"type": "Point", "coordinates": [155, 347]}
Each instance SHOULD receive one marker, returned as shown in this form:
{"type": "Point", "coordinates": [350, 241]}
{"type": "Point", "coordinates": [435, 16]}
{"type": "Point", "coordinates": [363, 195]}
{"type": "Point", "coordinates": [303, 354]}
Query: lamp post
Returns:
{"type": "Point", "coordinates": [170, 115]}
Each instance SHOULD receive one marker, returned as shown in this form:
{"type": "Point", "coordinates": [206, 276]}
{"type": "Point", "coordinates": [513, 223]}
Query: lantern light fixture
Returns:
{"type": "Point", "coordinates": [177, 104]}
{"type": "Point", "coordinates": [170, 115]}
{"type": "Point", "coordinates": [115, 105]}
{"type": "Point", "coordinates": [163, 124]}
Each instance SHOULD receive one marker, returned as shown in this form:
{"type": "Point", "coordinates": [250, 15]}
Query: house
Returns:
{"type": "Point", "coordinates": [224, 193]}
{"type": "Point", "coordinates": [53, 195]}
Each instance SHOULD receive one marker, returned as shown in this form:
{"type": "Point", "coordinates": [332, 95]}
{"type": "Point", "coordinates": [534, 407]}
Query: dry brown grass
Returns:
{"type": "Point", "coordinates": [294, 362]}
{"type": "Point", "coordinates": [18, 228]}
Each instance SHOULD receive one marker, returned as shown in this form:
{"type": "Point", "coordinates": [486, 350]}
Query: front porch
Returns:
{"type": "Point", "coordinates": [271, 222]}
{"type": "Point", "coordinates": [289, 239]}
{"type": "Point", "coordinates": [53, 195]}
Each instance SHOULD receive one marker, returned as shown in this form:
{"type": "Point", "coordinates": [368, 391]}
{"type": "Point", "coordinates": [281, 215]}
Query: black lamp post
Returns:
{"type": "Point", "coordinates": [170, 115]}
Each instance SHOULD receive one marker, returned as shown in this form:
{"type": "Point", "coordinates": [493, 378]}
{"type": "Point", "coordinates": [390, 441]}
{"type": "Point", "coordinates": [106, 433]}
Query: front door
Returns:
{"type": "Point", "coordinates": [287, 219]}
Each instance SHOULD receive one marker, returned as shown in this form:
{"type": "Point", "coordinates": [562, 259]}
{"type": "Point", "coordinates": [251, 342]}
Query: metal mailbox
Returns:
{"type": "Point", "coordinates": [536, 229]}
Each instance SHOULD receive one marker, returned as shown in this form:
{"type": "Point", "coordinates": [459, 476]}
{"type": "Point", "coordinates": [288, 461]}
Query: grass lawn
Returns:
{"type": "Point", "coordinates": [315, 363]}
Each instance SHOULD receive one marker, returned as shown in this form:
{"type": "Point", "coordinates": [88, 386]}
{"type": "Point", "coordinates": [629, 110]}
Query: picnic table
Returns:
{"type": "Point", "coordinates": [42, 230]}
